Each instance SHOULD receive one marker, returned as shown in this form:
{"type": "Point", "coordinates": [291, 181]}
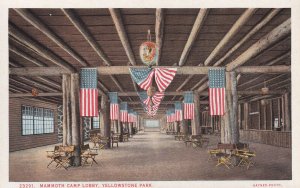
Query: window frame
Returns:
{"type": "Point", "coordinates": [33, 131]}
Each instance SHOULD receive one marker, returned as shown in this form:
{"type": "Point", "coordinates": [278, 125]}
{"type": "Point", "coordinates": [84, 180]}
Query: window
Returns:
{"type": "Point", "coordinates": [96, 123]}
{"type": "Point", "coordinates": [37, 120]}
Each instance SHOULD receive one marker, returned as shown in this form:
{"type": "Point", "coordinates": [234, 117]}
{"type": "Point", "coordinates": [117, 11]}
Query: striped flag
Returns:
{"type": "Point", "coordinates": [114, 105]}
{"type": "Point", "coordinates": [216, 91]}
{"type": "Point", "coordinates": [124, 112]}
{"type": "Point", "coordinates": [142, 76]}
{"type": "Point", "coordinates": [178, 110]}
{"type": "Point", "coordinates": [169, 115]}
{"type": "Point", "coordinates": [88, 92]}
{"type": "Point", "coordinates": [188, 105]}
{"type": "Point", "coordinates": [130, 116]}
{"type": "Point", "coordinates": [163, 77]}
{"type": "Point", "coordinates": [156, 100]}
{"type": "Point", "coordinates": [172, 115]}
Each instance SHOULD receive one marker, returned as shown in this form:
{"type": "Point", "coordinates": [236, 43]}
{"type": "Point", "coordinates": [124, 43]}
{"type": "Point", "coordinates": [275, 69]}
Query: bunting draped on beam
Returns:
{"type": "Point", "coordinates": [216, 92]}
{"type": "Point", "coordinates": [151, 104]}
{"type": "Point", "coordinates": [143, 77]}
{"type": "Point", "coordinates": [114, 105]}
{"type": "Point", "coordinates": [178, 110]}
{"type": "Point", "coordinates": [124, 112]}
{"type": "Point", "coordinates": [188, 104]}
{"type": "Point", "coordinates": [88, 92]}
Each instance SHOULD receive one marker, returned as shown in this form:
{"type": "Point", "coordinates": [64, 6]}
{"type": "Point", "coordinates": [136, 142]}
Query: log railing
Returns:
{"type": "Point", "coordinates": [274, 138]}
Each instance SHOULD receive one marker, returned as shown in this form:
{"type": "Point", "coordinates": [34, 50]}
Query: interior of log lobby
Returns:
{"type": "Point", "coordinates": [144, 94]}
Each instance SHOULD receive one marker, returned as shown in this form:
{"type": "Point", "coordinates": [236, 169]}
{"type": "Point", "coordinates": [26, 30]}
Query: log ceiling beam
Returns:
{"type": "Point", "coordinates": [193, 35]}
{"type": "Point", "coordinates": [42, 50]}
{"type": "Point", "coordinates": [117, 19]}
{"type": "Point", "coordinates": [38, 24]}
{"type": "Point", "coordinates": [281, 31]}
{"type": "Point", "coordinates": [159, 32]}
{"type": "Point", "coordinates": [22, 54]}
{"type": "Point", "coordinates": [230, 34]}
{"type": "Point", "coordinates": [86, 34]}
{"type": "Point", "coordinates": [253, 31]}
{"type": "Point", "coordinates": [39, 95]}
{"type": "Point", "coordinates": [116, 70]}
{"type": "Point", "coordinates": [265, 82]}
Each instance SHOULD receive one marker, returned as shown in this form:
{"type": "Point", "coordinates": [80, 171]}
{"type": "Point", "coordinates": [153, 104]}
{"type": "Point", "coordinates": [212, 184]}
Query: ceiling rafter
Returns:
{"type": "Point", "coordinates": [38, 24]}
{"type": "Point", "coordinates": [42, 50]}
{"type": "Point", "coordinates": [159, 32]}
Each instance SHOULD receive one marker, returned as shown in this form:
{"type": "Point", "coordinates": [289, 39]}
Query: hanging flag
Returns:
{"type": "Point", "coordinates": [88, 92]}
{"type": "Point", "coordinates": [146, 102]}
{"type": "Point", "coordinates": [163, 77]}
{"type": "Point", "coordinates": [114, 105]}
{"type": "Point", "coordinates": [178, 110]}
{"type": "Point", "coordinates": [157, 98]}
{"type": "Point", "coordinates": [124, 112]}
{"type": "Point", "coordinates": [130, 115]}
{"type": "Point", "coordinates": [216, 91]}
{"type": "Point", "coordinates": [172, 115]}
{"type": "Point", "coordinates": [188, 105]}
{"type": "Point", "coordinates": [168, 115]}
{"type": "Point", "coordinates": [142, 76]}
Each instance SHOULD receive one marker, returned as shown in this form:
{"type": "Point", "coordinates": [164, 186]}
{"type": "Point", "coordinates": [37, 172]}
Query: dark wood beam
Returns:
{"type": "Point", "coordinates": [272, 37]}
{"type": "Point", "coordinates": [117, 19]}
{"type": "Point", "coordinates": [30, 95]}
{"type": "Point", "coordinates": [159, 32]}
{"type": "Point", "coordinates": [38, 71]}
{"type": "Point", "coordinates": [37, 23]}
{"type": "Point", "coordinates": [193, 36]}
{"type": "Point", "coordinates": [26, 56]}
{"type": "Point", "coordinates": [42, 50]}
{"type": "Point", "coordinates": [264, 69]}
{"type": "Point", "coordinates": [86, 34]}
{"type": "Point", "coordinates": [230, 34]}
{"type": "Point", "coordinates": [265, 82]}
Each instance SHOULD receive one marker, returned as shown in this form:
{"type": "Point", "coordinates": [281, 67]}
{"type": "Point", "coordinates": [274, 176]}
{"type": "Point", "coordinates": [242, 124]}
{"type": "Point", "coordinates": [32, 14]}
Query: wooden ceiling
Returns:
{"type": "Point", "coordinates": [118, 33]}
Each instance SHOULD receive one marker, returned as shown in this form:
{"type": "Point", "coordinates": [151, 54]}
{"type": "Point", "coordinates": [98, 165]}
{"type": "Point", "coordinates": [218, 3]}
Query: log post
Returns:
{"type": "Point", "coordinates": [130, 129]}
{"type": "Point", "coordinates": [67, 131]}
{"type": "Point", "coordinates": [230, 132]}
{"type": "Point", "coordinates": [264, 109]}
{"type": "Point", "coordinates": [184, 127]}
{"type": "Point", "coordinates": [196, 121]}
{"type": "Point", "coordinates": [287, 112]}
{"type": "Point", "coordinates": [75, 117]}
{"type": "Point", "coordinates": [246, 116]}
{"type": "Point", "coordinates": [283, 113]}
{"type": "Point", "coordinates": [104, 109]}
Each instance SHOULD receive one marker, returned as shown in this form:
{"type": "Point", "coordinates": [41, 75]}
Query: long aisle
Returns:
{"type": "Point", "coordinates": [151, 156]}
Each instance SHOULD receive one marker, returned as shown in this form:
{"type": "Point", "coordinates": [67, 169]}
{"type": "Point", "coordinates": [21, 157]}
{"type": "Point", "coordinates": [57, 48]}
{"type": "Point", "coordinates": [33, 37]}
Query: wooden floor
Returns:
{"type": "Point", "coordinates": [152, 156]}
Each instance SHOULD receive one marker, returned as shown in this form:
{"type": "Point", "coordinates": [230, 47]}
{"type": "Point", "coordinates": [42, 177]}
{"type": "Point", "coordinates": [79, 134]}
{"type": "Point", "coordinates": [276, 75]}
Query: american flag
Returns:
{"type": "Point", "coordinates": [124, 112]}
{"type": "Point", "coordinates": [168, 113]}
{"type": "Point", "coordinates": [216, 91]}
{"type": "Point", "coordinates": [114, 105]}
{"type": "Point", "coordinates": [178, 110]}
{"type": "Point", "coordinates": [156, 100]}
{"type": "Point", "coordinates": [172, 115]}
{"type": "Point", "coordinates": [88, 92]}
{"type": "Point", "coordinates": [130, 116]}
{"type": "Point", "coordinates": [163, 77]}
{"type": "Point", "coordinates": [188, 105]}
{"type": "Point", "coordinates": [143, 77]}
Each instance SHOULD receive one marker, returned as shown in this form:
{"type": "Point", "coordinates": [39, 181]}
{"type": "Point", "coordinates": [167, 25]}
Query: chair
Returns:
{"type": "Point", "coordinates": [115, 139]}
{"type": "Point", "coordinates": [213, 153]}
{"type": "Point", "coordinates": [65, 156]}
{"type": "Point", "coordinates": [125, 137]}
{"type": "Point", "coordinates": [246, 158]}
{"type": "Point", "coordinates": [88, 153]}
{"type": "Point", "coordinates": [52, 154]}
{"type": "Point", "coordinates": [224, 159]}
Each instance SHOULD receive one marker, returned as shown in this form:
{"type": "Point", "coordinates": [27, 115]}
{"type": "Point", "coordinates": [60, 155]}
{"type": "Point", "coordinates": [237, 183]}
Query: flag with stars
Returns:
{"type": "Point", "coordinates": [124, 112]}
{"type": "Point", "coordinates": [216, 92]}
{"type": "Point", "coordinates": [114, 105]}
{"type": "Point", "coordinates": [88, 92]}
{"type": "Point", "coordinates": [142, 76]}
{"type": "Point", "coordinates": [178, 110]}
{"type": "Point", "coordinates": [188, 105]}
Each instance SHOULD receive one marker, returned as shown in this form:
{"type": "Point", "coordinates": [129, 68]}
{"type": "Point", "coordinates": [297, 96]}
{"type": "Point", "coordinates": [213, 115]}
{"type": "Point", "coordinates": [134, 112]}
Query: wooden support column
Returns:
{"type": "Point", "coordinates": [239, 116]}
{"type": "Point", "coordinates": [75, 117]}
{"type": "Point", "coordinates": [185, 129]}
{"type": "Point", "coordinates": [283, 113]}
{"type": "Point", "coordinates": [259, 114]}
{"type": "Point", "coordinates": [67, 130]}
{"type": "Point", "coordinates": [230, 132]}
{"type": "Point", "coordinates": [104, 109]}
{"type": "Point", "coordinates": [246, 116]}
{"type": "Point", "coordinates": [271, 114]}
{"type": "Point", "coordinates": [196, 121]}
{"type": "Point", "coordinates": [287, 112]}
{"type": "Point", "coordinates": [264, 111]}
{"type": "Point", "coordinates": [130, 125]}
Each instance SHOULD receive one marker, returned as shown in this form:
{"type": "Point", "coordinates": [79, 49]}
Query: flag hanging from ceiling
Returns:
{"type": "Point", "coordinates": [130, 116]}
{"type": "Point", "coordinates": [216, 91]}
{"type": "Point", "coordinates": [172, 115]}
{"type": "Point", "coordinates": [143, 77]}
{"type": "Point", "coordinates": [188, 105]}
{"type": "Point", "coordinates": [146, 102]}
{"type": "Point", "coordinates": [163, 77]}
{"type": "Point", "coordinates": [88, 92]}
{"type": "Point", "coordinates": [124, 112]}
{"type": "Point", "coordinates": [114, 105]}
{"type": "Point", "coordinates": [178, 110]}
